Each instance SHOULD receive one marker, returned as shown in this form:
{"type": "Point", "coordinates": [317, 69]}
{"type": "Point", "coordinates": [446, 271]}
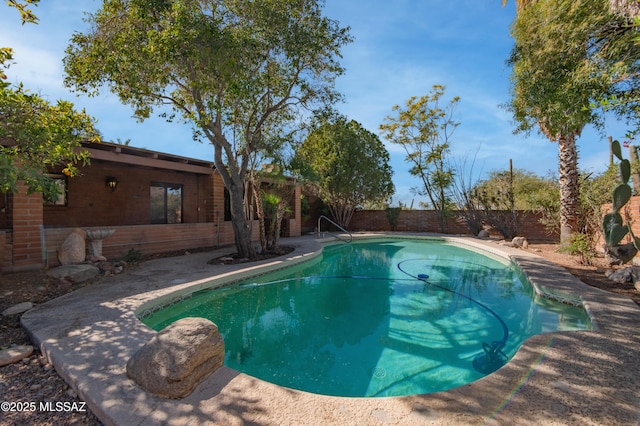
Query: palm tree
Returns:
{"type": "Point", "coordinates": [558, 71]}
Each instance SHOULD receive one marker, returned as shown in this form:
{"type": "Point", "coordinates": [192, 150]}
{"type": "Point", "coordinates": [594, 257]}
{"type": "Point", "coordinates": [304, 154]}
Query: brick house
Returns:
{"type": "Point", "coordinates": [155, 202]}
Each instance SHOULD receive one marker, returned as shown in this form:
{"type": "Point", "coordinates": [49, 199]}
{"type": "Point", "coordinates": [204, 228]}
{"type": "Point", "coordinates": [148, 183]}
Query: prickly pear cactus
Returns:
{"type": "Point", "coordinates": [614, 228]}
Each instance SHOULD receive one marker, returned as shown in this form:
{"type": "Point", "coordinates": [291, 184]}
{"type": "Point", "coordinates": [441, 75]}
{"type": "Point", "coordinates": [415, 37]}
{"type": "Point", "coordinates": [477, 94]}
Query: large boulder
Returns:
{"type": "Point", "coordinates": [74, 273]}
{"type": "Point", "coordinates": [73, 249]}
{"type": "Point", "coordinates": [178, 358]}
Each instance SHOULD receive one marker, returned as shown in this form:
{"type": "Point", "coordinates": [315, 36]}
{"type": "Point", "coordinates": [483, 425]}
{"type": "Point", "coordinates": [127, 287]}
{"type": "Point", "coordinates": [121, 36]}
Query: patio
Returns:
{"type": "Point", "coordinates": [565, 378]}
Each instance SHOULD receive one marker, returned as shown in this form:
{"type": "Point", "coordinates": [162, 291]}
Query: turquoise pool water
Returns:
{"type": "Point", "coordinates": [378, 318]}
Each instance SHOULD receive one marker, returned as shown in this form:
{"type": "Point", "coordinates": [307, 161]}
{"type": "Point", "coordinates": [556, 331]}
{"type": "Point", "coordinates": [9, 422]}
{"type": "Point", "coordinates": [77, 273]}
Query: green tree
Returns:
{"type": "Point", "coordinates": [35, 135]}
{"type": "Point", "coordinates": [347, 165]}
{"type": "Point", "coordinates": [424, 130]}
{"type": "Point", "coordinates": [231, 68]}
{"type": "Point", "coordinates": [568, 55]}
{"type": "Point", "coordinates": [520, 190]}
{"type": "Point", "coordinates": [271, 191]}
{"type": "Point", "coordinates": [553, 83]}
{"type": "Point", "coordinates": [504, 193]}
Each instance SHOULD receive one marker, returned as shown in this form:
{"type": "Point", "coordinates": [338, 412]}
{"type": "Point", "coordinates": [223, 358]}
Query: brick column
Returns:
{"type": "Point", "coordinates": [295, 223]}
{"type": "Point", "coordinates": [27, 223]}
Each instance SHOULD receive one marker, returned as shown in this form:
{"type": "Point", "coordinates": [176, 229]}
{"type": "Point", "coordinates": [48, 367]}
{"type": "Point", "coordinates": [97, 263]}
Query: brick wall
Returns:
{"type": "Point", "coordinates": [295, 222]}
{"type": "Point", "coordinates": [150, 239]}
{"type": "Point", "coordinates": [27, 228]}
{"type": "Point", "coordinates": [91, 202]}
{"type": "Point", "coordinates": [6, 250]}
{"type": "Point", "coordinates": [427, 221]}
{"type": "Point", "coordinates": [35, 230]}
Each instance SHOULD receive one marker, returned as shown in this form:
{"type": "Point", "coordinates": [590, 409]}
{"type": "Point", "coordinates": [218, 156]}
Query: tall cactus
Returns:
{"type": "Point", "coordinates": [613, 224]}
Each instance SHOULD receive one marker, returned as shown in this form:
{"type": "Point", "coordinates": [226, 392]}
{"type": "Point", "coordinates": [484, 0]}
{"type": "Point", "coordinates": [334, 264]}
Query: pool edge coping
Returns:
{"type": "Point", "coordinates": [147, 408]}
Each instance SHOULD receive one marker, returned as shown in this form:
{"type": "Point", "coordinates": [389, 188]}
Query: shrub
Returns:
{"type": "Point", "coordinates": [133, 256]}
{"type": "Point", "coordinates": [580, 245]}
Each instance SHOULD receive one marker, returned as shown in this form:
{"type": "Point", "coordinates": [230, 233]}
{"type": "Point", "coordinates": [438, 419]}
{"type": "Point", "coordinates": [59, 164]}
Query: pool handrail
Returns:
{"type": "Point", "coordinates": [338, 236]}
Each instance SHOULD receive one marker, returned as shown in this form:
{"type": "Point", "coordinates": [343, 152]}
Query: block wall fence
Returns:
{"type": "Point", "coordinates": [427, 221]}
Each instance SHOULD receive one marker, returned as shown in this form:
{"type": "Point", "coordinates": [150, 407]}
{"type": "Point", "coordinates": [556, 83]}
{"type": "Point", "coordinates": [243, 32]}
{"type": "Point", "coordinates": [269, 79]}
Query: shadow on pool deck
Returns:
{"type": "Point", "coordinates": [581, 378]}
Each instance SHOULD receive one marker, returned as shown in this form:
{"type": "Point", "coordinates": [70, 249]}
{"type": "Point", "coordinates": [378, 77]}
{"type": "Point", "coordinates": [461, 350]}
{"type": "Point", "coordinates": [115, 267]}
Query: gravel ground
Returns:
{"type": "Point", "coordinates": [34, 386]}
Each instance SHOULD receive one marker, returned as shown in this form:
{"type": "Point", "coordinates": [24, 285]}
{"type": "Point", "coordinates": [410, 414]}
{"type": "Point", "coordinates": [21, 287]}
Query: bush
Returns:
{"type": "Point", "coordinates": [392, 216]}
{"type": "Point", "coordinates": [580, 245]}
{"type": "Point", "coordinates": [133, 256]}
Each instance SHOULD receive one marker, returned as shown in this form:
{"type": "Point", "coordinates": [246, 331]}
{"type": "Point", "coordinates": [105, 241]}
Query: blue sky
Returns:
{"type": "Point", "coordinates": [401, 49]}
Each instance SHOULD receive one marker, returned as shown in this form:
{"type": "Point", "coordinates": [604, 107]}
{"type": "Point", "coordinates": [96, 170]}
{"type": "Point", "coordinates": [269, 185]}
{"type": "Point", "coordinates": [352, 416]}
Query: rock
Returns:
{"type": "Point", "coordinates": [179, 357]}
{"type": "Point", "coordinates": [520, 242]}
{"type": "Point", "coordinates": [620, 254]}
{"type": "Point", "coordinates": [74, 273]}
{"type": "Point", "coordinates": [622, 276]}
{"type": "Point", "coordinates": [96, 259]}
{"type": "Point", "coordinates": [106, 267]}
{"type": "Point", "coordinates": [73, 249]}
{"type": "Point", "coordinates": [15, 354]}
{"type": "Point", "coordinates": [483, 234]}
{"type": "Point", "coordinates": [637, 285]}
{"type": "Point", "coordinates": [17, 309]}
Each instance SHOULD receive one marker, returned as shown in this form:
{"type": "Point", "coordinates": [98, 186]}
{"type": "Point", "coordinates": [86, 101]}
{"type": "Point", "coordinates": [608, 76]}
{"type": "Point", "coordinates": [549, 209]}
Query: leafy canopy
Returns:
{"type": "Point", "coordinates": [36, 136]}
{"type": "Point", "coordinates": [424, 129]}
{"type": "Point", "coordinates": [568, 55]}
{"type": "Point", "coordinates": [347, 164]}
{"type": "Point", "coordinates": [234, 69]}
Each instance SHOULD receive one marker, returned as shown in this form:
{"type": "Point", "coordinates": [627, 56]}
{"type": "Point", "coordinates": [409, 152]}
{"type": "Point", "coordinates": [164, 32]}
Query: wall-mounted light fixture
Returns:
{"type": "Point", "coordinates": [112, 183]}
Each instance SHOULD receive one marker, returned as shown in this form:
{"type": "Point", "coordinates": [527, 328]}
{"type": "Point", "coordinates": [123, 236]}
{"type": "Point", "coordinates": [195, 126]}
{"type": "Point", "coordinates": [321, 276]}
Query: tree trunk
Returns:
{"type": "Point", "coordinates": [260, 213]}
{"type": "Point", "coordinates": [569, 186]}
{"type": "Point", "coordinates": [278, 225]}
{"type": "Point", "coordinates": [241, 228]}
{"type": "Point", "coordinates": [341, 214]}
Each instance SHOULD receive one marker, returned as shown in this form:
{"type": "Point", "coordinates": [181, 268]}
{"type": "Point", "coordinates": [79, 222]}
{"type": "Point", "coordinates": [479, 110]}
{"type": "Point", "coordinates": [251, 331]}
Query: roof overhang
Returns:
{"type": "Point", "coordinates": [124, 154]}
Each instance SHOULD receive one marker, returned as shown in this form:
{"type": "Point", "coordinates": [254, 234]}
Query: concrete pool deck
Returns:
{"type": "Point", "coordinates": [581, 378]}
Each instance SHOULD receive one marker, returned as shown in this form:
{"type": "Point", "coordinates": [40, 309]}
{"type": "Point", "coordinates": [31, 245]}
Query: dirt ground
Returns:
{"type": "Point", "coordinates": [35, 380]}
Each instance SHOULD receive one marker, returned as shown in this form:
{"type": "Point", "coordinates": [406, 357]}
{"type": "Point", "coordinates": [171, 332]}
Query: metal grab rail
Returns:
{"type": "Point", "coordinates": [333, 234]}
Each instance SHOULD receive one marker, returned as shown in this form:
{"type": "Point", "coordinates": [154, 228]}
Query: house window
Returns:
{"type": "Point", "coordinates": [59, 183]}
{"type": "Point", "coordinates": [166, 203]}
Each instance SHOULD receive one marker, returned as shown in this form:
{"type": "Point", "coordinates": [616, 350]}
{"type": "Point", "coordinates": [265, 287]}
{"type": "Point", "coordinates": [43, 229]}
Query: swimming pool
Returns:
{"type": "Point", "coordinates": [378, 318]}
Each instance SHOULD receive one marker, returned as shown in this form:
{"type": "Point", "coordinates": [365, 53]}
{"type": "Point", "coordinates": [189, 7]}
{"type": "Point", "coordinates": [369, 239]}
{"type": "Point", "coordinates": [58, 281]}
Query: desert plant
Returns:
{"type": "Point", "coordinates": [392, 216]}
{"type": "Point", "coordinates": [133, 256]}
{"type": "Point", "coordinates": [580, 245]}
{"type": "Point", "coordinates": [613, 224]}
